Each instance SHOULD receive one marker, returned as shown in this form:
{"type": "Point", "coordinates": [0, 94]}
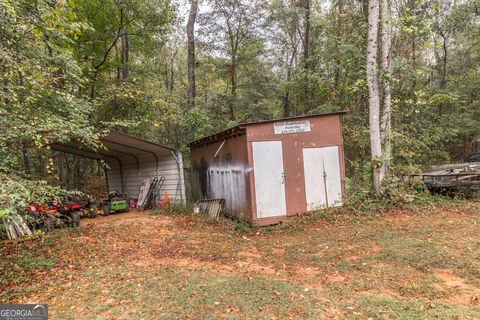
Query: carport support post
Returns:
{"type": "Point", "coordinates": [121, 175]}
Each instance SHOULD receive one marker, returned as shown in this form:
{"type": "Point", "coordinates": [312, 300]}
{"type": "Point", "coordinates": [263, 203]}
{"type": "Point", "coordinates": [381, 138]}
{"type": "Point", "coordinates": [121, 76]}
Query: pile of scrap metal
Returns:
{"type": "Point", "coordinates": [452, 177]}
{"type": "Point", "coordinates": [211, 207]}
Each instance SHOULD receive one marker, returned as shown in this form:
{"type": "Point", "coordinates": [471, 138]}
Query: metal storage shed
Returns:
{"type": "Point", "coordinates": [130, 160]}
{"type": "Point", "coordinates": [271, 170]}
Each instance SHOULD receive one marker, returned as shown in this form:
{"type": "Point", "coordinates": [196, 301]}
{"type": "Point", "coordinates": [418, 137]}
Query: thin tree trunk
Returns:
{"type": "Point", "coordinates": [286, 104]}
{"type": "Point", "coordinates": [125, 48]}
{"type": "Point", "coordinates": [191, 53]}
{"type": "Point", "coordinates": [286, 97]}
{"type": "Point", "coordinates": [292, 34]}
{"type": "Point", "coordinates": [306, 54]}
{"type": "Point", "coordinates": [233, 83]}
{"type": "Point", "coordinates": [61, 169]}
{"type": "Point", "coordinates": [373, 93]}
{"type": "Point", "coordinates": [68, 171]}
{"type": "Point", "coordinates": [444, 65]}
{"type": "Point", "coordinates": [166, 76]}
{"type": "Point", "coordinates": [118, 62]}
{"type": "Point", "coordinates": [386, 66]}
{"type": "Point", "coordinates": [172, 73]}
{"type": "Point", "coordinates": [75, 171]}
{"type": "Point", "coordinates": [306, 37]}
{"type": "Point", "coordinates": [233, 72]}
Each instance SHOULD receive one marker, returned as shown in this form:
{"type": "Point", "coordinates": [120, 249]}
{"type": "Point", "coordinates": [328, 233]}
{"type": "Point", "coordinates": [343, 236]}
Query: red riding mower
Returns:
{"type": "Point", "coordinates": [54, 215]}
{"type": "Point", "coordinates": [88, 208]}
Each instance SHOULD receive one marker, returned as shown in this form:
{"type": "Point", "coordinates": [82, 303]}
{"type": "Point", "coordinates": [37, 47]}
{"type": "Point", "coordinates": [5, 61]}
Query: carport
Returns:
{"type": "Point", "coordinates": [131, 160]}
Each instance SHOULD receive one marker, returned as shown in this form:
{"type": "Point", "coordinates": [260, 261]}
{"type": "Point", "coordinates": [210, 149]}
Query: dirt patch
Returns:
{"type": "Point", "coordinates": [465, 298]}
{"type": "Point", "coordinates": [336, 277]}
{"type": "Point", "coordinates": [311, 275]}
{"type": "Point", "coordinates": [450, 280]}
{"type": "Point", "coordinates": [398, 217]}
{"type": "Point", "coordinates": [467, 295]}
{"type": "Point", "coordinates": [250, 262]}
{"type": "Point", "coordinates": [278, 251]}
{"type": "Point", "coordinates": [252, 253]}
{"type": "Point", "coordinates": [256, 268]}
{"type": "Point", "coordinates": [118, 217]}
{"type": "Point", "coordinates": [308, 271]}
{"type": "Point", "coordinates": [373, 250]}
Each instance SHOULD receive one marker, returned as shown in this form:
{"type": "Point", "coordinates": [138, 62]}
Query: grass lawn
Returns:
{"type": "Point", "coordinates": [415, 263]}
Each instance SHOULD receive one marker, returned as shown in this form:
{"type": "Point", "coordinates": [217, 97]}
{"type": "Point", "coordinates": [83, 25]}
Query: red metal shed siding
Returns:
{"type": "Point", "coordinates": [325, 131]}
{"type": "Point", "coordinates": [236, 148]}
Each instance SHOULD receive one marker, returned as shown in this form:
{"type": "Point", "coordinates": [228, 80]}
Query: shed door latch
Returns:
{"type": "Point", "coordinates": [284, 174]}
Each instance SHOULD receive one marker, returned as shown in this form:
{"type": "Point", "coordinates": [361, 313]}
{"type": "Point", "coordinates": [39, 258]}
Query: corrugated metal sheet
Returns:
{"type": "Point", "coordinates": [132, 178]}
{"type": "Point", "coordinates": [131, 159]}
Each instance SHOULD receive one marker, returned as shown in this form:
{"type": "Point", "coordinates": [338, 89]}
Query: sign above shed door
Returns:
{"type": "Point", "coordinates": [323, 186]}
{"type": "Point", "coordinates": [291, 126]}
{"type": "Point", "coordinates": [269, 179]}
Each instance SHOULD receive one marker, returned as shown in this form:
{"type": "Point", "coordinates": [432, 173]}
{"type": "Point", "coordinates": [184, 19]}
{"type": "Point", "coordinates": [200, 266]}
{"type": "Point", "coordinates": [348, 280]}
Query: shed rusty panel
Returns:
{"type": "Point", "coordinates": [325, 131]}
{"type": "Point", "coordinates": [223, 174]}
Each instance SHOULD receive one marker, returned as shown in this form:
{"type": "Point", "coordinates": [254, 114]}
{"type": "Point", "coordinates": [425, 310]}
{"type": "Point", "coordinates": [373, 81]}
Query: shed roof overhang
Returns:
{"type": "Point", "coordinates": [220, 136]}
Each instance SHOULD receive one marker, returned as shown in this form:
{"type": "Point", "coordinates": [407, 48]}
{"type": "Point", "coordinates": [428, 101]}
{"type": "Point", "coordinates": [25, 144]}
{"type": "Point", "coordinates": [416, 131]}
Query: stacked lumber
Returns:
{"type": "Point", "coordinates": [16, 227]}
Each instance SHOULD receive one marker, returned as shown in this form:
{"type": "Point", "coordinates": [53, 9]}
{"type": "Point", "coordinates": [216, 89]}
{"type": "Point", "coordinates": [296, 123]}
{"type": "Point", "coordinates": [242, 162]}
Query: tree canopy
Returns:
{"type": "Point", "coordinates": [72, 69]}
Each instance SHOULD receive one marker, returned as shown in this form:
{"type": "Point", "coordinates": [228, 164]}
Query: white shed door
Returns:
{"type": "Point", "coordinates": [269, 179]}
{"type": "Point", "coordinates": [323, 185]}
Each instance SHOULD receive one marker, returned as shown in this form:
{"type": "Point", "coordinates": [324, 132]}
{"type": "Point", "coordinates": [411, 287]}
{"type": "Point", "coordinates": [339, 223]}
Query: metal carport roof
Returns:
{"type": "Point", "coordinates": [119, 145]}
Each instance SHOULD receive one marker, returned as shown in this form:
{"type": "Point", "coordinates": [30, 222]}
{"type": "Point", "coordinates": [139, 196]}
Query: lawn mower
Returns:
{"type": "Point", "coordinates": [115, 203]}
{"type": "Point", "coordinates": [88, 208]}
{"type": "Point", "coordinates": [70, 213]}
{"type": "Point", "coordinates": [54, 215]}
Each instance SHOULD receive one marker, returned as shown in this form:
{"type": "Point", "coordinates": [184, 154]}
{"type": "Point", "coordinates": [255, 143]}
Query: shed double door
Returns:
{"type": "Point", "coordinates": [323, 186]}
{"type": "Point", "coordinates": [269, 179]}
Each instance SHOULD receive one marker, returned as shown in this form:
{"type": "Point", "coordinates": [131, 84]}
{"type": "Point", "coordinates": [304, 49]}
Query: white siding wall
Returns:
{"type": "Point", "coordinates": [167, 167]}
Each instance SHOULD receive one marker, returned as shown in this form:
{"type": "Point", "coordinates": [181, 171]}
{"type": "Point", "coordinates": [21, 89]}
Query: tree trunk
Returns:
{"type": "Point", "coordinates": [443, 84]}
{"type": "Point", "coordinates": [125, 47]}
{"type": "Point", "coordinates": [75, 171]}
{"type": "Point", "coordinates": [286, 105]}
{"type": "Point", "coordinates": [233, 74]}
{"type": "Point", "coordinates": [62, 171]}
{"type": "Point", "coordinates": [373, 94]}
{"type": "Point", "coordinates": [191, 53]}
{"type": "Point", "coordinates": [68, 171]}
{"type": "Point", "coordinates": [306, 37]}
{"type": "Point", "coordinates": [166, 76]}
{"type": "Point", "coordinates": [386, 66]}
{"type": "Point", "coordinates": [172, 73]}
{"type": "Point", "coordinates": [233, 84]}
{"type": "Point", "coordinates": [306, 54]}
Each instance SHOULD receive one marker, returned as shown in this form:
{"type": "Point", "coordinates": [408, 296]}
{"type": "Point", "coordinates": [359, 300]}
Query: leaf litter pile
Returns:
{"type": "Point", "coordinates": [420, 262]}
